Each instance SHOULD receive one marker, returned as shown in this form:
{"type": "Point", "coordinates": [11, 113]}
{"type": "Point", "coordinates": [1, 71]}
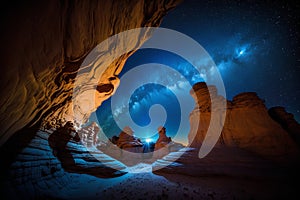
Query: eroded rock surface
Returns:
{"type": "Point", "coordinates": [45, 43]}
{"type": "Point", "coordinates": [89, 134]}
{"type": "Point", "coordinates": [164, 145]}
{"type": "Point", "coordinates": [287, 122]}
{"type": "Point", "coordinates": [247, 125]}
{"type": "Point", "coordinates": [252, 147]}
{"type": "Point", "coordinates": [37, 173]}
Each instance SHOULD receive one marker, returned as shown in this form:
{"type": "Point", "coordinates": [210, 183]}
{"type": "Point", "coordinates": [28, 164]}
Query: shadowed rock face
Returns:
{"type": "Point", "coordinates": [44, 45]}
{"type": "Point", "coordinates": [252, 146]}
{"type": "Point", "coordinates": [39, 173]}
{"type": "Point", "coordinates": [287, 121]}
{"type": "Point", "coordinates": [247, 125]}
{"type": "Point", "coordinates": [204, 97]}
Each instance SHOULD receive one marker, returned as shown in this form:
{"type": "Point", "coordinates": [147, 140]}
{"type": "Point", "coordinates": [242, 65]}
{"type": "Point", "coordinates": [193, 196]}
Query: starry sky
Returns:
{"type": "Point", "coordinates": [254, 44]}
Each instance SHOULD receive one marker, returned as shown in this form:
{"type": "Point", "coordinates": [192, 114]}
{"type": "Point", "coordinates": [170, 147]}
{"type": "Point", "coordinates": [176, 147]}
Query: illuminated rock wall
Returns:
{"type": "Point", "coordinates": [247, 125]}
{"type": "Point", "coordinates": [44, 45]}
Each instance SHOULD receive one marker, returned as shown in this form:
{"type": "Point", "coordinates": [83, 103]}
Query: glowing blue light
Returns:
{"type": "Point", "coordinates": [242, 52]}
{"type": "Point", "coordinates": [148, 140]}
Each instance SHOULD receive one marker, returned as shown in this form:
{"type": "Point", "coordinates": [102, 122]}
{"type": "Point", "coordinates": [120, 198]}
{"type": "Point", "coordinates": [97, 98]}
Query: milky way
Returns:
{"type": "Point", "coordinates": [255, 46]}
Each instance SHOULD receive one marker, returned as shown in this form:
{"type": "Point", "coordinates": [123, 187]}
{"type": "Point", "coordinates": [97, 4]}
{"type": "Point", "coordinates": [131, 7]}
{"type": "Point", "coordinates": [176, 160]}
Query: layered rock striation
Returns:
{"type": "Point", "coordinates": [287, 122]}
{"type": "Point", "coordinates": [44, 46]}
{"type": "Point", "coordinates": [40, 173]}
{"type": "Point", "coordinates": [248, 124]}
{"type": "Point", "coordinates": [252, 146]}
{"type": "Point", "coordinates": [200, 118]}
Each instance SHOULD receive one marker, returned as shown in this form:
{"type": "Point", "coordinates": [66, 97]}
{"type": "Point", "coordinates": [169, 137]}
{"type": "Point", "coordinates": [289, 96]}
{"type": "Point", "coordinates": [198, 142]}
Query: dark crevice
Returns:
{"type": "Point", "coordinates": [105, 88]}
{"type": "Point", "coordinates": [15, 144]}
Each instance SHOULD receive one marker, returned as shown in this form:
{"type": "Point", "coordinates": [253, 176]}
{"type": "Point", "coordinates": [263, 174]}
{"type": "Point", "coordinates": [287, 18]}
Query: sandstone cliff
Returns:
{"type": "Point", "coordinates": [252, 146]}
{"type": "Point", "coordinates": [44, 44]}
{"type": "Point", "coordinates": [287, 122]}
{"type": "Point", "coordinates": [247, 125]}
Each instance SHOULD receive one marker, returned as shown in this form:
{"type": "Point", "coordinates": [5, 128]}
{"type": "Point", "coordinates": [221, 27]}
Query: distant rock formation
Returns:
{"type": "Point", "coordinates": [164, 145]}
{"type": "Point", "coordinates": [203, 99]}
{"type": "Point", "coordinates": [163, 140]}
{"type": "Point", "coordinates": [129, 142]}
{"type": "Point", "coordinates": [252, 145]}
{"type": "Point", "coordinates": [287, 122]}
{"type": "Point", "coordinates": [125, 147]}
{"type": "Point", "coordinates": [247, 125]}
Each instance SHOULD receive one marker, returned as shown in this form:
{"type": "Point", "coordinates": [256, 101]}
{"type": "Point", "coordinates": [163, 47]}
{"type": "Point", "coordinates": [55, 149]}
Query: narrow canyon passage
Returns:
{"type": "Point", "coordinates": [225, 113]}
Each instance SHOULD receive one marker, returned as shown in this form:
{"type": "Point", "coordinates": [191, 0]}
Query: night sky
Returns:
{"type": "Point", "coordinates": [255, 46]}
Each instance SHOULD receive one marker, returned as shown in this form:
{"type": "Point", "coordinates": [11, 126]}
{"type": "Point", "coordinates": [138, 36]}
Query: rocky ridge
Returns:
{"type": "Point", "coordinates": [252, 146]}
{"type": "Point", "coordinates": [248, 124]}
{"type": "Point", "coordinates": [287, 122]}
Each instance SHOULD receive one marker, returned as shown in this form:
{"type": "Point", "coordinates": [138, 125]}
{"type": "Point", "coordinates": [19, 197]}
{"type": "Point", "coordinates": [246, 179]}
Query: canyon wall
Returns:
{"type": "Point", "coordinates": [44, 44]}
{"type": "Point", "coordinates": [252, 145]}
{"type": "Point", "coordinates": [248, 124]}
{"type": "Point", "coordinates": [287, 122]}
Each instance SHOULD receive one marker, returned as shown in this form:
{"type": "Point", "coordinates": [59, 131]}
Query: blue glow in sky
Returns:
{"type": "Point", "coordinates": [151, 94]}
{"type": "Point", "coordinates": [255, 46]}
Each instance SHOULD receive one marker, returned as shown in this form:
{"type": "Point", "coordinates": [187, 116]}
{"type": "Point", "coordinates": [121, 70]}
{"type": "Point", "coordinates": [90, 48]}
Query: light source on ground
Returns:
{"type": "Point", "coordinates": [148, 140]}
